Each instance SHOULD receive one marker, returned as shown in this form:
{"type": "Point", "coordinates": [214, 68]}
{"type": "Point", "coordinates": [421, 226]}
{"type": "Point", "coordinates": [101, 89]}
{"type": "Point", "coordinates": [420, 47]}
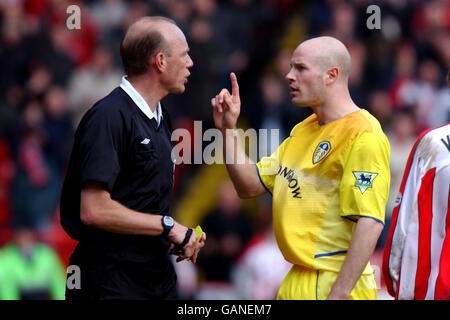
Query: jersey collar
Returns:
{"type": "Point", "coordinates": [140, 102]}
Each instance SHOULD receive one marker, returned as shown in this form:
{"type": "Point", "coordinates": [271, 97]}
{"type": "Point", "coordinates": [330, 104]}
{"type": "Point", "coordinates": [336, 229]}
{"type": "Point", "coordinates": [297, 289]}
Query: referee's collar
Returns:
{"type": "Point", "coordinates": [140, 102]}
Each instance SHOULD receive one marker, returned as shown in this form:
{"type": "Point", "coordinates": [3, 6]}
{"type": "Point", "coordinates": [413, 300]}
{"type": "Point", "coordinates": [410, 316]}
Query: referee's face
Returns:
{"type": "Point", "coordinates": [176, 75]}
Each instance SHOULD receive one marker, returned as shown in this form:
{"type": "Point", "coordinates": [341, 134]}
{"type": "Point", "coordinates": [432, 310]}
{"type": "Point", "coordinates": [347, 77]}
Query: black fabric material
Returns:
{"type": "Point", "coordinates": [117, 145]}
{"type": "Point", "coordinates": [102, 278]}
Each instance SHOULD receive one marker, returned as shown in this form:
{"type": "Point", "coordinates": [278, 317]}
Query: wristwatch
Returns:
{"type": "Point", "coordinates": [167, 223]}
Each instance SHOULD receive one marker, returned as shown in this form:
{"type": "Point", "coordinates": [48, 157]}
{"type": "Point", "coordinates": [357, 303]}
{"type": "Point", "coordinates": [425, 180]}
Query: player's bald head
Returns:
{"type": "Point", "coordinates": [144, 38]}
{"type": "Point", "coordinates": [327, 52]}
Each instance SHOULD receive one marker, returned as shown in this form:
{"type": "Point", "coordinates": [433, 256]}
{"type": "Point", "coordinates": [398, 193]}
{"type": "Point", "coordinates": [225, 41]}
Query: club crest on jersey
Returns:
{"type": "Point", "coordinates": [322, 150]}
{"type": "Point", "coordinates": [364, 180]}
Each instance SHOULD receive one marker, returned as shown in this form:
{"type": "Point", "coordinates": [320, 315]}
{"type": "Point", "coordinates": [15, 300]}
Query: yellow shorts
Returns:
{"type": "Point", "coordinates": [307, 284]}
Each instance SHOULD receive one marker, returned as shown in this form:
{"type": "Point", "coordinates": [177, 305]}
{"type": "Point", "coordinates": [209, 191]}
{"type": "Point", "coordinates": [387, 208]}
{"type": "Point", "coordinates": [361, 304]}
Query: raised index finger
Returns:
{"type": "Point", "coordinates": [234, 85]}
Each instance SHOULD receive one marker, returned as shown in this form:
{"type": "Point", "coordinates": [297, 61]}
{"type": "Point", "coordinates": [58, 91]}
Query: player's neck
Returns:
{"type": "Point", "coordinates": [335, 109]}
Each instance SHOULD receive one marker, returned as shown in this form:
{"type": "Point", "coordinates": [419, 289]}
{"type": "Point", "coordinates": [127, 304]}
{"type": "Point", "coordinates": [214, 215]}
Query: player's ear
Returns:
{"type": "Point", "coordinates": [331, 75]}
{"type": "Point", "coordinates": [160, 61]}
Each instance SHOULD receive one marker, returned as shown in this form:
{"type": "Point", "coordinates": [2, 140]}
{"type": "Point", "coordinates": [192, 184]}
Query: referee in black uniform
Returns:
{"type": "Point", "coordinates": [117, 191]}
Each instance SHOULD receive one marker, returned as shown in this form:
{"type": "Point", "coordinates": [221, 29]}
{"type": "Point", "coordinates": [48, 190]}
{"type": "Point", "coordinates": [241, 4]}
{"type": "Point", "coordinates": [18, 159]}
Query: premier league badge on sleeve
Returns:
{"type": "Point", "coordinates": [321, 151]}
{"type": "Point", "coordinates": [364, 180]}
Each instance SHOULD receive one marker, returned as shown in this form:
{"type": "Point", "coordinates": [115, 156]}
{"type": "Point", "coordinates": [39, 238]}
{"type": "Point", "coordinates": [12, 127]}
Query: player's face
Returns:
{"type": "Point", "coordinates": [305, 79]}
{"type": "Point", "coordinates": [178, 64]}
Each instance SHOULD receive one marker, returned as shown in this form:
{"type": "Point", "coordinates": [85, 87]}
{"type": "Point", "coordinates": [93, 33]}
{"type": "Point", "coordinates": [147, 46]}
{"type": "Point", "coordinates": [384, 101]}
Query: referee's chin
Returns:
{"type": "Point", "coordinates": [178, 90]}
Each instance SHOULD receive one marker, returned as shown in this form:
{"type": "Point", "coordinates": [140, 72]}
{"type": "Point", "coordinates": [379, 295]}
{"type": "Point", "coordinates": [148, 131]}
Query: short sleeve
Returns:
{"type": "Point", "coordinates": [267, 167]}
{"type": "Point", "coordinates": [364, 187]}
{"type": "Point", "coordinates": [100, 146]}
{"type": "Point", "coordinates": [442, 196]}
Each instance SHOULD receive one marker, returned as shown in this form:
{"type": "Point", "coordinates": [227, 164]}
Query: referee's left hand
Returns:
{"type": "Point", "coordinates": [192, 248]}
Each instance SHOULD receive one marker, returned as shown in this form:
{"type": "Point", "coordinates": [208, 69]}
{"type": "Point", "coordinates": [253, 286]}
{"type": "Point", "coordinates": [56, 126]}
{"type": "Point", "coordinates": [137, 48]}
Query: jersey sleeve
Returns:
{"type": "Point", "coordinates": [100, 147]}
{"type": "Point", "coordinates": [364, 187]}
{"type": "Point", "coordinates": [267, 167]}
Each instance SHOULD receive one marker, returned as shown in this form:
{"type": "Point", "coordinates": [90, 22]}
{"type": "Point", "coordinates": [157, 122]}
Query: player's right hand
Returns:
{"type": "Point", "coordinates": [226, 106]}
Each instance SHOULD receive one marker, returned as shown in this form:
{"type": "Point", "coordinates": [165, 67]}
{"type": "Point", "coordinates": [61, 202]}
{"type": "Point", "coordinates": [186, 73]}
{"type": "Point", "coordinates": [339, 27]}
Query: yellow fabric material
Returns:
{"type": "Point", "coordinates": [323, 178]}
{"type": "Point", "coordinates": [307, 284]}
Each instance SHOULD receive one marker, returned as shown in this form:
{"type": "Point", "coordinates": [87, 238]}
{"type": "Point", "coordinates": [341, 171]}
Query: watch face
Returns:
{"type": "Point", "coordinates": [168, 221]}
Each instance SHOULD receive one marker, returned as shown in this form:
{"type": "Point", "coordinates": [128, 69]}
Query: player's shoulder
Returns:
{"type": "Point", "coordinates": [365, 132]}
{"type": "Point", "coordinates": [435, 141]}
{"type": "Point", "coordinates": [364, 121]}
{"type": "Point", "coordinates": [365, 125]}
{"type": "Point", "coordinates": [434, 135]}
{"type": "Point", "coordinates": [303, 124]}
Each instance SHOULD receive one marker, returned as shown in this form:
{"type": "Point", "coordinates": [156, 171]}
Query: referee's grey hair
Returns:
{"type": "Point", "coordinates": [139, 45]}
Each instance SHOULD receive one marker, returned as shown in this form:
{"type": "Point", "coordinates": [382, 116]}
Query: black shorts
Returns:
{"type": "Point", "coordinates": [104, 278]}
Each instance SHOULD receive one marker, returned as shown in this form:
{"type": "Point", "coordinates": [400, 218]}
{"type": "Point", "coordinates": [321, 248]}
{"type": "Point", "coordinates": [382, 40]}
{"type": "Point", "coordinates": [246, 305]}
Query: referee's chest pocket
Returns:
{"type": "Point", "coordinates": [146, 157]}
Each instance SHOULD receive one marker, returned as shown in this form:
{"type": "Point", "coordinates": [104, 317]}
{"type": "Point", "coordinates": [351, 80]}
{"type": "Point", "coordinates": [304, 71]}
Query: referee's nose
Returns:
{"type": "Point", "coordinates": [190, 63]}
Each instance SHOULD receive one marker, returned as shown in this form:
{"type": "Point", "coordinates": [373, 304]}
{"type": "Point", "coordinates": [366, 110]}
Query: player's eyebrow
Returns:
{"type": "Point", "coordinates": [298, 64]}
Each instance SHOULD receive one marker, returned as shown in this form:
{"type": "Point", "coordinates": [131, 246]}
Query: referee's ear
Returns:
{"type": "Point", "coordinates": [160, 61]}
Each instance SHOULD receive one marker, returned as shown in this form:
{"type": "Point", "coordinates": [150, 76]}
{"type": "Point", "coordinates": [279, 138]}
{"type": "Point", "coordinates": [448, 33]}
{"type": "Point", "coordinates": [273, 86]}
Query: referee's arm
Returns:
{"type": "Point", "coordinates": [99, 210]}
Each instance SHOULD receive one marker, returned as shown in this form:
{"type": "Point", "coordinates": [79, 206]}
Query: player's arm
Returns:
{"type": "Point", "coordinates": [362, 244]}
{"type": "Point", "coordinates": [368, 155]}
{"type": "Point", "coordinates": [99, 210]}
{"type": "Point", "coordinates": [242, 171]}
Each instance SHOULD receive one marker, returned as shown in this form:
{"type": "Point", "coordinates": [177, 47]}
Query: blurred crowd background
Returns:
{"type": "Point", "coordinates": [50, 76]}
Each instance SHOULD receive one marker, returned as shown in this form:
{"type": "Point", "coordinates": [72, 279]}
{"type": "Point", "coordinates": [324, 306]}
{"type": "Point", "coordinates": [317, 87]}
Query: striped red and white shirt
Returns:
{"type": "Point", "coordinates": [416, 258]}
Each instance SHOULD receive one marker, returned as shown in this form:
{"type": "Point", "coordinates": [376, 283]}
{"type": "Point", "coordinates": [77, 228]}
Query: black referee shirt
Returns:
{"type": "Point", "coordinates": [118, 145]}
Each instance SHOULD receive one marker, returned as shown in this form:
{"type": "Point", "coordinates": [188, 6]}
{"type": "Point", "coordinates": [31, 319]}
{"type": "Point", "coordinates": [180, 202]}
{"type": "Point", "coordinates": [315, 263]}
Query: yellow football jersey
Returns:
{"type": "Point", "coordinates": [322, 179]}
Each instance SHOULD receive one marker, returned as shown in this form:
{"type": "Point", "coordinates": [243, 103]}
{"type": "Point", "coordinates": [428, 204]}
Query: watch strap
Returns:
{"type": "Point", "coordinates": [186, 237]}
{"type": "Point", "coordinates": [178, 248]}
